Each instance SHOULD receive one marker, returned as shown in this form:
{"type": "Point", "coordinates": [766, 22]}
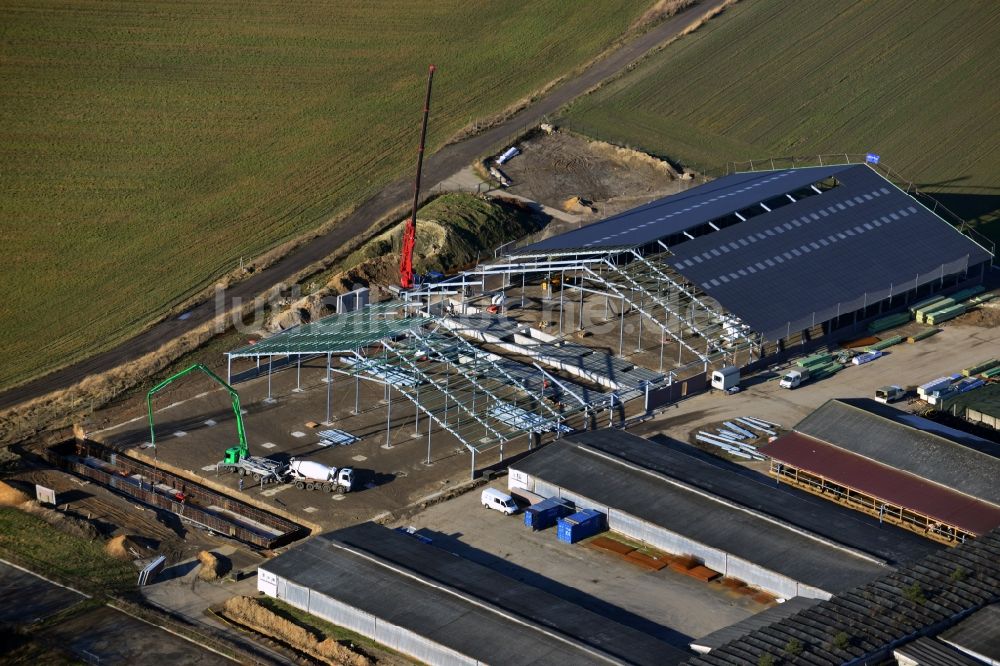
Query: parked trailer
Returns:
{"type": "Point", "coordinates": [507, 155]}
{"type": "Point", "coordinates": [867, 357]}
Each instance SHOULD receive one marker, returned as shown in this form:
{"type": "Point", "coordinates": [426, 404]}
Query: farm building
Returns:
{"type": "Point", "coordinates": [865, 625]}
{"type": "Point", "coordinates": [682, 501]}
{"type": "Point", "coordinates": [442, 609]}
{"type": "Point", "coordinates": [904, 469]}
{"type": "Point", "coordinates": [757, 260]}
{"type": "Point", "coordinates": [977, 635]}
{"type": "Point", "coordinates": [733, 632]}
{"type": "Point", "coordinates": [981, 406]}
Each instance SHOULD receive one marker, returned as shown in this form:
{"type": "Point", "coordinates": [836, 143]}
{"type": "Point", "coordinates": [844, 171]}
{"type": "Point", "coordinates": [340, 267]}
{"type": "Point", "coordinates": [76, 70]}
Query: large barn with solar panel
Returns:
{"type": "Point", "coordinates": [759, 260]}
{"type": "Point", "coordinates": [563, 333]}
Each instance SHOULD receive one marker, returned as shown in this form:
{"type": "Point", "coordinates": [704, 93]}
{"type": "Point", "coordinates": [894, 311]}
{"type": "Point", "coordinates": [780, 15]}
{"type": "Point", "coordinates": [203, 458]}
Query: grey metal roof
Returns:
{"type": "Point", "coordinates": [680, 212]}
{"type": "Point", "coordinates": [718, 523]}
{"type": "Point", "coordinates": [929, 652]}
{"type": "Point", "coordinates": [915, 445]}
{"type": "Point", "coordinates": [460, 604]}
{"type": "Point", "coordinates": [751, 489]}
{"type": "Point", "coordinates": [978, 633]}
{"type": "Point", "coordinates": [863, 625]}
{"type": "Point", "coordinates": [717, 639]}
{"type": "Point", "coordinates": [825, 254]}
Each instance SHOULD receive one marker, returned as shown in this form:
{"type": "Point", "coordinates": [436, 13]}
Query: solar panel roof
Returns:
{"type": "Point", "coordinates": [686, 210]}
{"type": "Point", "coordinates": [852, 244]}
{"type": "Point", "coordinates": [343, 332]}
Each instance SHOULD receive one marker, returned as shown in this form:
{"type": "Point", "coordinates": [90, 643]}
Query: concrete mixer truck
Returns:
{"type": "Point", "coordinates": [312, 475]}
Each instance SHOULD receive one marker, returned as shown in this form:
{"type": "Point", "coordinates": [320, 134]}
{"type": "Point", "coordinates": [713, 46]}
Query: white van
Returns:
{"type": "Point", "coordinates": [498, 501]}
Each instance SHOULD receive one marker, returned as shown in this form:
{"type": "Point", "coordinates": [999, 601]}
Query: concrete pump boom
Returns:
{"type": "Point", "coordinates": [233, 454]}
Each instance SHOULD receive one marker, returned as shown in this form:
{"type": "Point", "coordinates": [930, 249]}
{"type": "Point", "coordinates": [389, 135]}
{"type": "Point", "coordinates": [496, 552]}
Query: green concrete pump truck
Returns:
{"type": "Point", "coordinates": [237, 458]}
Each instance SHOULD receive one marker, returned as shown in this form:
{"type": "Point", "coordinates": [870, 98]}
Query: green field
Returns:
{"type": "Point", "coordinates": [916, 82]}
{"type": "Point", "coordinates": [147, 146]}
{"type": "Point", "coordinates": [29, 541]}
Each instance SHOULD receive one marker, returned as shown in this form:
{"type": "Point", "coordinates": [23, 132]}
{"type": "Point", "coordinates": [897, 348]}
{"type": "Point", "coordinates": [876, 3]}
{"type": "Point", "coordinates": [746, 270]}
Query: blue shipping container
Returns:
{"type": "Point", "coordinates": [581, 525]}
{"type": "Point", "coordinates": [545, 514]}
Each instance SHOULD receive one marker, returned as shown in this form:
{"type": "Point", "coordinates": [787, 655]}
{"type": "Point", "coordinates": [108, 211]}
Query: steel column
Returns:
{"type": "Point", "coordinates": [329, 387]}
{"type": "Point", "coordinates": [388, 419]}
{"type": "Point", "coordinates": [269, 357]}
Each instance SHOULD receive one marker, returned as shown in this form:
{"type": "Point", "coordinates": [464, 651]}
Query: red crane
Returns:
{"type": "Point", "coordinates": [410, 232]}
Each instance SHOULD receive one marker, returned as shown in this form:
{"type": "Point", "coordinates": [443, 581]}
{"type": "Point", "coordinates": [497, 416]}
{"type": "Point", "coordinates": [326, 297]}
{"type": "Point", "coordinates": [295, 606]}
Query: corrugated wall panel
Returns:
{"type": "Point", "coordinates": [341, 614]}
{"type": "Point", "coordinates": [418, 647]}
{"type": "Point", "coordinates": [296, 595]}
{"type": "Point", "coordinates": [671, 542]}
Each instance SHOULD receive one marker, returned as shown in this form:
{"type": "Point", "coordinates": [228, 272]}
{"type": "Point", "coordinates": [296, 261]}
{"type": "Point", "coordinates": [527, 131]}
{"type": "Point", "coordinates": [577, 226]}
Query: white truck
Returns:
{"type": "Point", "coordinates": [888, 394]}
{"type": "Point", "coordinates": [312, 475]}
{"type": "Point", "coordinates": [794, 378]}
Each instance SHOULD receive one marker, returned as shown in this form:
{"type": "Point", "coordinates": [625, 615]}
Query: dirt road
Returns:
{"type": "Point", "coordinates": [438, 167]}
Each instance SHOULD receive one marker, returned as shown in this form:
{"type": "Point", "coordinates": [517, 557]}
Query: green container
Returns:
{"type": "Point", "coordinates": [990, 374]}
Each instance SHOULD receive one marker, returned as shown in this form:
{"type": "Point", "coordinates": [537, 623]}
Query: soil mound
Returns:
{"type": "Point", "coordinates": [123, 547]}
{"type": "Point", "coordinates": [61, 521]}
{"type": "Point", "coordinates": [10, 496]}
{"type": "Point", "coordinates": [578, 205]}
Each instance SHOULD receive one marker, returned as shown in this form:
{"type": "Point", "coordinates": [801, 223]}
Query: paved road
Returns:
{"type": "Point", "coordinates": [437, 168]}
{"type": "Point", "coordinates": [28, 598]}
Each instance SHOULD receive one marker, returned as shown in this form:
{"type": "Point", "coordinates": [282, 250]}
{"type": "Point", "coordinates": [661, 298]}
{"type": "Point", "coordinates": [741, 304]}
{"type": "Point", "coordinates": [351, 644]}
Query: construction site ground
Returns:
{"type": "Point", "coordinates": [390, 473]}
{"type": "Point", "coordinates": [590, 179]}
{"type": "Point", "coordinates": [595, 322]}
{"type": "Point", "coordinates": [667, 604]}
{"type": "Point", "coordinates": [150, 531]}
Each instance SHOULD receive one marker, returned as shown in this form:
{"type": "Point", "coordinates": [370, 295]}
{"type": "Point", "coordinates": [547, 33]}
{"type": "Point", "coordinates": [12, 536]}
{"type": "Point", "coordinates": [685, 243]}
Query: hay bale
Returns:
{"type": "Point", "coordinates": [10, 496]}
{"type": "Point", "coordinates": [209, 566]}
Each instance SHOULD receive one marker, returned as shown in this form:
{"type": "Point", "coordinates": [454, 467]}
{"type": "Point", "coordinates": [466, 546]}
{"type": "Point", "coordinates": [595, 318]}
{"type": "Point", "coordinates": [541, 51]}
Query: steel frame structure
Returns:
{"type": "Point", "coordinates": [463, 389]}
{"type": "Point", "coordinates": [645, 282]}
